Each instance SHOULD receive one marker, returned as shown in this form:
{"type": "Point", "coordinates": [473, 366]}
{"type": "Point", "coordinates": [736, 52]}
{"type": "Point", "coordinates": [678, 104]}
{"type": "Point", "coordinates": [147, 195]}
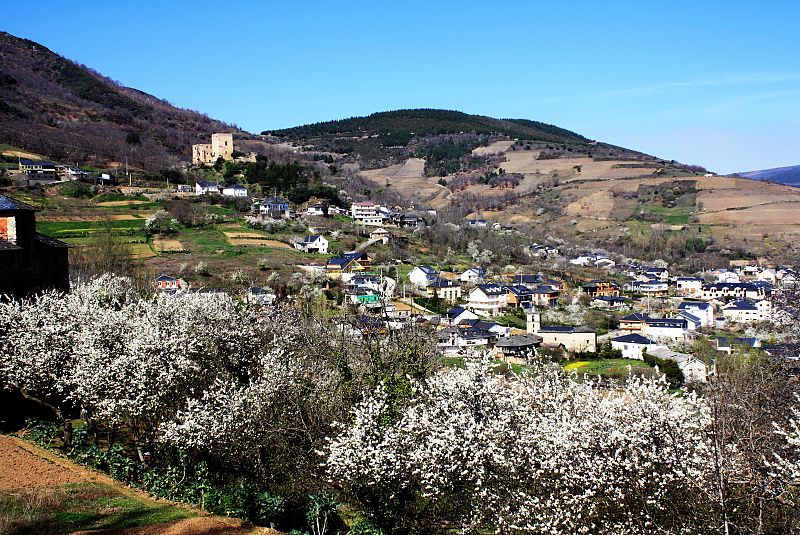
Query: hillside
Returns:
{"type": "Point", "coordinates": [53, 106]}
{"type": "Point", "coordinates": [784, 175]}
{"type": "Point", "coordinates": [390, 137]}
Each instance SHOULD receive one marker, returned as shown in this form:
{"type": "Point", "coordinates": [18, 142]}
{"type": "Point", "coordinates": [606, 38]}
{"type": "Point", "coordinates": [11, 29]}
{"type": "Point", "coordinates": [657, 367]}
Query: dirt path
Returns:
{"type": "Point", "coordinates": [190, 526]}
{"type": "Point", "coordinates": [24, 465]}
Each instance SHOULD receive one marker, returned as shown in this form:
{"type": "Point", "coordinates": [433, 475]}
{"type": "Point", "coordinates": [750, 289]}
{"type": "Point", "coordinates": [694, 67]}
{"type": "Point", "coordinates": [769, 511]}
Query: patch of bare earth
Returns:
{"type": "Point", "coordinates": [122, 203]}
{"type": "Point", "coordinates": [89, 218]}
{"type": "Point", "coordinates": [202, 525]}
{"type": "Point", "coordinates": [167, 245]}
{"type": "Point", "coordinates": [27, 466]}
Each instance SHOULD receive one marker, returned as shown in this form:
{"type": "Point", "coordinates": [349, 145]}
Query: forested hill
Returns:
{"type": "Point", "coordinates": [53, 106]}
{"type": "Point", "coordinates": [385, 136]}
{"type": "Point", "coordinates": [402, 125]}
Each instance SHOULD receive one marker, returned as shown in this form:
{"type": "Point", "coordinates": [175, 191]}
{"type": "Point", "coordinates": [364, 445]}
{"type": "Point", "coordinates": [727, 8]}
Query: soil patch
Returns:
{"type": "Point", "coordinates": [167, 245]}
{"type": "Point", "coordinates": [23, 466]}
{"type": "Point", "coordinates": [189, 526]}
{"type": "Point", "coordinates": [122, 203]}
{"type": "Point", "coordinates": [88, 218]}
{"type": "Point", "coordinates": [259, 242]}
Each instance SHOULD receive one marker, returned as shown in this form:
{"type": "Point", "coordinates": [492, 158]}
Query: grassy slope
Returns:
{"type": "Point", "coordinates": [607, 368]}
{"type": "Point", "coordinates": [80, 506]}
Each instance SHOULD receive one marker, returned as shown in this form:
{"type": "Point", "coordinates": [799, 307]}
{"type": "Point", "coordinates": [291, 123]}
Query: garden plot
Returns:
{"type": "Point", "coordinates": [123, 203]}
{"type": "Point", "coordinates": [86, 218]}
{"type": "Point", "coordinates": [167, 245]}
{"type": "Point", "coordinates": [254, 239]}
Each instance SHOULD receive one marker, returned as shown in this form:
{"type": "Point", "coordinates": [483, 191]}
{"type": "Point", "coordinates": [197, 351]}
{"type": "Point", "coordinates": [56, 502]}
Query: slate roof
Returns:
{"type": "Point", "coordinates": [637, 316]}
{"type": "Point", "coordinates": [47, 240]}
{"type": "Point", "coordinates": [694, 304]}
{"type": "Point", "coordinates": [427, 270]}
{"type": "Point", "coordinates": [518, 289]}
{"type": "Point", "coordinates": [43, 163]}
{"type": "Point", "coordinates": [519, 340]}
{"type": "Point", "coordinates": [454, 312]}
{"type": "Point", "coordinates": [439, 282]}
{"type": "Point", "coordinates": [6, 245]}
{"type": "Point", "coordinates": [691, 317]}
{"type": "Point", "coordinates": [741, 304]}
{"type": "Point", "coordinates": [7, 203]}
{"type": "Point", "coordinates": [669, 323]}
{"type": "Point", "coordinates": [544, 289]}
{"type": "Point", "coordinates": [724, 341]}
{"type": "Point", "coordinates": [632, 339]}
{"type": "Point", "coordinates": [491, 289]}
{"type": "Point", "coordinates": [480, 272]}
{"type": "Point", "coordinates": [564, 329]}
{"type": "Point", "coordinates": [610, 299]}
{"type": "Point", "coordinates": [527, 279]}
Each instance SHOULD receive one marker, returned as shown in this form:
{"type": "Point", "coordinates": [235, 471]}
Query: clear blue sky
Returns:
{"type": "Point", "coordinates": [713, 83]}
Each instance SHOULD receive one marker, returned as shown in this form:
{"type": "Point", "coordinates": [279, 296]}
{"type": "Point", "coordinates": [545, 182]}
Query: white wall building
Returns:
{"type": "Point", "coordinates": [236, 190]}
{"type": "Point", "coordinates": [633, 346]}
{"type": "Point", "coordinates": [488, 299]}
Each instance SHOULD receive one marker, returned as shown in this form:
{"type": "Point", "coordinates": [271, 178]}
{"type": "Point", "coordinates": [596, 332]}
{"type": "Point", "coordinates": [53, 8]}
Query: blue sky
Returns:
{"type": "Point", "coordinates": [712, 83]}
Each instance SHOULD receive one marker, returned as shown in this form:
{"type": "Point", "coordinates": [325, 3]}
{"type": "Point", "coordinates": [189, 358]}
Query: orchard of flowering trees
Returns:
{"type": "Point", "coordinates": [295, 408]}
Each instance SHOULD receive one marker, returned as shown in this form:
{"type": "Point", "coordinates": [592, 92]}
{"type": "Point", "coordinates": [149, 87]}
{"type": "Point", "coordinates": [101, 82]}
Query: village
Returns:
{"type": "Point", "coordinates": [579, 307]}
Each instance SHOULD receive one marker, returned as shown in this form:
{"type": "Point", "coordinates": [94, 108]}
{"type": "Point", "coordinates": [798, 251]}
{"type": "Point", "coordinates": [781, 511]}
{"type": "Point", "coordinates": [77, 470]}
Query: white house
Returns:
{"type": "Point", "coordinates": [313, 244]}
{"type": "Point", "coordinates": [633, 346]}
{"type": "Point", "coordinates": [261, 296]}
{"type": "Point", "coordinates": [473, 274]}
{"type": "Point", "coordinates": [380, 234]}
{"type": "Point", "coordinates": [488, 299]}
{"type": "Point", "coordinates": [422, 276]}
{"type": "Point", "coordinates": [728, 276]}
{"type": "Point", "coordinates": [456, 315]}
{"type": "Point", "coordinates": [444, 289]}
{"type": "Point", "coordinates": [235, 190]}
{"type": "Point", "coordinates": [690, 286]}
{"type": "Point", "coordinates": [583, 260]}
{"type": "Point", "coordinates": [658, 273]}
{"type": "Point", "coordinates": [673, 329]}
{"type": "Point", "coordinates": [366, 213]}
{"type": "Point", "coordinates": [205, 188]}
{"type": "Point", "coordinates": [692, 322]}
{"type": "Point", "coordinates": [702, 310]}
{"type": "Point", "coordinates": [317, 209]}
{"type": "Point", "coordinates": [747, 311]}
{"type": "Point", "coordinates": [604, 263]}
{"type": "Point", "coordinates": [653, 288]}
{"type": "Point", "coordinates": [165, 282]}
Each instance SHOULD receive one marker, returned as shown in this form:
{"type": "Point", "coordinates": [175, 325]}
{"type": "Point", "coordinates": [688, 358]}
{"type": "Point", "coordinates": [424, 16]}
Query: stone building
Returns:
{"type": "Point", "coordinates": [29, 262]}
{"type": "Point", "coordinates": [221, 146]}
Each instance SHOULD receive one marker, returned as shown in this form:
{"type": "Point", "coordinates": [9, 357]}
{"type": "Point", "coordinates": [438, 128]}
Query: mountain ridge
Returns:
{"type": "Point", "coordinates": [789, 174]}
{"type": "Point", "coordinates": [53, 105]}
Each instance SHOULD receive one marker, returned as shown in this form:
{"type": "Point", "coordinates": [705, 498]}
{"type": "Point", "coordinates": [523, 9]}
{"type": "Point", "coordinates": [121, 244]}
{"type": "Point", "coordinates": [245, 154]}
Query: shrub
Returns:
{"type": "Point", "coordinates": [201, 269]}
